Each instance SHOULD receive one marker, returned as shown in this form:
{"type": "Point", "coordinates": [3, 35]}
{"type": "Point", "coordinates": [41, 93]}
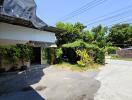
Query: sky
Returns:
{"type": "Point", "coordinates": [52, 11]}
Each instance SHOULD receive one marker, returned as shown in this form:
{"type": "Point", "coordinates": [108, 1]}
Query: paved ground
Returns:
{"type": "Point", "coordinates": [66, 85]}
{"type": "Point", "coordinates": [113, 82]}
{"type": "Point", "coordinates": [116, 81]}
{"type": "Point", "coordinates": [50, 84]}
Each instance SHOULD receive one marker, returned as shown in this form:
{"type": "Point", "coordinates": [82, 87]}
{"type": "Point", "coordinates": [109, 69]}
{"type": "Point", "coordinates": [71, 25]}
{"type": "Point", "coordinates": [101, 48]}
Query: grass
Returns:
{"type": "Point", "coordinates": [126, 59]}
{"type": "Point", "coordinates": [75, 67]}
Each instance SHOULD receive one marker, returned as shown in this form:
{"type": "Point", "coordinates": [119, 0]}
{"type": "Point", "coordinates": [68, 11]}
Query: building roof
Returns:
{"type": "Point", "coordinates": [27, 23]}
{"type": "Point", "coordinates": [23, 16]}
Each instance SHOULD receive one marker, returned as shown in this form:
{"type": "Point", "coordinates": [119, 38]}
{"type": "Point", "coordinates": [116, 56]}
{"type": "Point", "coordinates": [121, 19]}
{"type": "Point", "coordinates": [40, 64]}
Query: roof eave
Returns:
{"type": "Point", "coordinates": [27, 23]}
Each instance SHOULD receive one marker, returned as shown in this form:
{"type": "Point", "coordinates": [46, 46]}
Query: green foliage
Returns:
{"type": "Point", "coordinates": [100, 36]}
{"type": "Point", "coordinates": [99, 32]}
{"type": "Point", "coordinates": [79, 26]}
{"type": "Point", "coordinates": [87, 36]}
{"type": "Point", "coordinates": [51, 55]}
{"type": "Point", "coordinates": [120, 35]}
{"type": "Point", "coordinates": [77, 43]}
{"type": "Point", "coordinates": [12, 53]}
{"type": "Point", "coordinates": [94, 41]}
{"type": "Point", "coordinates": [15, 53]}
{"type": "Point", "coordinates": [85, 60]}
{"type": "Point", "coordinates": [69, 55]}
{"type": "Point", "coordinates": [73, 32]}
{"type": "Point", "coordinates": [111, 49]}
{"type": "Point", "coordinates": [25, 52]}
{"type": "Point", "coordinates": [100, 56]}
{"type": "Point", "coordinates": [80, 44]}
{"type": "Point", "coordinates": [58, 52]}
{"type": "Point", "coordinates": [3, 51]}
{"type": "Point", "coordinates": [44, 54]}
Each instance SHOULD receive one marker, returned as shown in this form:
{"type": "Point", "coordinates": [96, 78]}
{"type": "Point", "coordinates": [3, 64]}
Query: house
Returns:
{"type": "Point", "coordinates": [125, 53]}
{"type": "Point", "coordinates": [19, 25]}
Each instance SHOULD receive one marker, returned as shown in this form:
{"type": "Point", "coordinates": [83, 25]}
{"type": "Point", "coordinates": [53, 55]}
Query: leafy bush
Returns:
{"type": "Point", "coordinates": [58, 52]}
{"type": "Point", "coordinates": [51, 55]}
{"type": "Point", "coordinates": [12, 54]}
{"type": "Point", "coordinates": [25, 52]}
{"type": "Point", "coordinates": [100, 56]}
{"type": "Point", "coordinates": [15, 53]}
{"type": "Point", "coordinates": [85, 60]}
{"type": "Point", "coordinates": [111, 49]}
{"type": "Point", "coordinates": [81, 44]}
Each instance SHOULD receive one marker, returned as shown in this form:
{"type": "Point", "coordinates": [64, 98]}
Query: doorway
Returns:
{"type": "Point", "coordinates": [36, 56]}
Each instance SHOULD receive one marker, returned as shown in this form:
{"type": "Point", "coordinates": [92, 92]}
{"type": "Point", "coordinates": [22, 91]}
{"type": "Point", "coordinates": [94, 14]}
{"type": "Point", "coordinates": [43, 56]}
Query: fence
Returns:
{"type": "Point", "coordinates": [125, 53]}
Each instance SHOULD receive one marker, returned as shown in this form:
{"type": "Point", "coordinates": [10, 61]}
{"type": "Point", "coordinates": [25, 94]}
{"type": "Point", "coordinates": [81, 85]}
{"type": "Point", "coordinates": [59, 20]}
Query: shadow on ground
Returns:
{"type": "Point", "coordinates": [16, 86]}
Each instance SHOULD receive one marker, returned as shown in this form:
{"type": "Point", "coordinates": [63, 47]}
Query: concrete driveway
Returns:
{"type": "Point", "coordinates": [49, 83]}
{"type": "Point", "coordinates": [113, 82]}
{"type": "Point", "coordinates": [62, 84]}
{"type": "Point", "coordinates": [116, 81]}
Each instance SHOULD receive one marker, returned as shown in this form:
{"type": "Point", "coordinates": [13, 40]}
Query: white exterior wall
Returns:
{"type": "Point", "coordinates": [14, 32]}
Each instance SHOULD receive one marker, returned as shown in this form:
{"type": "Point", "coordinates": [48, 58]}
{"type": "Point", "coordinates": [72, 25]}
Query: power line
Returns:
{"type": "Point", "coordinates": [83, 9]}
{"type": "Point", "coordinates": [127, 7]}
{"type": "Point", "coordinates": [110, 17]}
{"type": "Point", "coordinates": [121, 22]}
{"type": "Point", "coordinates": [120, 19]}
{"type": "Point", "coordinates": [80, 8]}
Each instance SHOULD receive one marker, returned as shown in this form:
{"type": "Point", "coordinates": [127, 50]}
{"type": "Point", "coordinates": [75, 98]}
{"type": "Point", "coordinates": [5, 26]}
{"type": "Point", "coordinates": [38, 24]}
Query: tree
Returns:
{"type": "Point", "coordinates": [99, 33]}
{"type": "Point", "coordinates": [73, 32]}
{"type": "Point", "coordinates": [87, 36]}
{"type": "Point", "coordinates": [121, 35]}
{"type": "Point", "coordinates": [76, 37]}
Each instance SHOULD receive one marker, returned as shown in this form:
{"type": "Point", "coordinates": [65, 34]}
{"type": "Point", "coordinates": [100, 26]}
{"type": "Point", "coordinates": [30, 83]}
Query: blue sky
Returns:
{"type": "Point", "coordinates": [51, 11]}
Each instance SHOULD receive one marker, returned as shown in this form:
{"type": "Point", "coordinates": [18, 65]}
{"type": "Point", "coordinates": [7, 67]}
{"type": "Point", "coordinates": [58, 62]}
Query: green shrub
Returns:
{"type": "Point", "coordinates": [25, 52]}
{"type": "Point", "coordinates": [14, 53]}
{"type": "Point", "coordinates": [51, 55]}
{"type": "Point", "coordinates": [85, 60]}
{"type": "Point", "coordinates": [44, 55]}
{"type": "Point", "coordinates": [100, 56]}
{"type": "Point", "coordinates": [58, 55]}
{"type": "Point", "coordinates": [81, 63]}
{"type": "Point", "coordinates": [58, 52]}
{"type": "Point", "coordinates": [111, 49]}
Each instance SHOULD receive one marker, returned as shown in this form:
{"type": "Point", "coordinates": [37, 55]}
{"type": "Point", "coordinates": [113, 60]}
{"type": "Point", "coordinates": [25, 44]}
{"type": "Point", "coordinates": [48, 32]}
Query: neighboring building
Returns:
{"type": "Point", "coordinates": [15, 29]}
{"type": "Point", "coordinates": [125, 53]}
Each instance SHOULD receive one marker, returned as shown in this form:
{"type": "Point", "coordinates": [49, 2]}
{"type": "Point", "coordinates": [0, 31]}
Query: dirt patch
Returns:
{"type": "Point", "coordinates": [40, 88]}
